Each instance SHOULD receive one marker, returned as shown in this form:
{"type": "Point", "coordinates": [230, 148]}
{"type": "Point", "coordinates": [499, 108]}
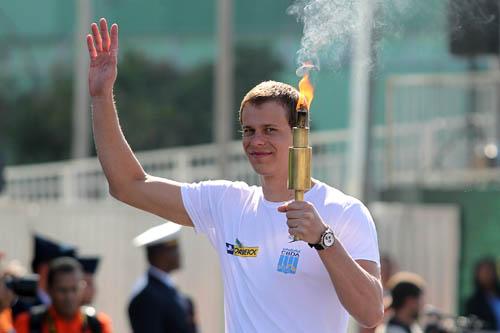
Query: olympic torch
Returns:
{"type": "Point", "coordinates": [300, 154]}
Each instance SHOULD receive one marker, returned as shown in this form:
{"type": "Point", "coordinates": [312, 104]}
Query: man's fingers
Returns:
{"type": "Point", "coordinates": [105, 34]}
{"type": "Point", "coordinates": [295, 205]}
{"type": "Point", "coordinates": [283, 209]}
{"type": "Point", "coordinates": [114, 39]}
{"type": "Point", "coordinates": [91, 47]}
{"type": "Point", "coordinates": [97, 37]}
{"type": "Point", "coordinates": [297, 232]}
{"type": "Point", "coordinates": [295, 214]}
{"type": "Point", "coordinates": [293, 223]}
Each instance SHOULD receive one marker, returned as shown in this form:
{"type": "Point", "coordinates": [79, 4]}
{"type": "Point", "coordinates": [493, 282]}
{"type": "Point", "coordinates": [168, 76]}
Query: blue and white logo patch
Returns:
{"type": "Point", "coordinates": [230, 248]}
{"type": "Point", "coordinates": [289, 261]}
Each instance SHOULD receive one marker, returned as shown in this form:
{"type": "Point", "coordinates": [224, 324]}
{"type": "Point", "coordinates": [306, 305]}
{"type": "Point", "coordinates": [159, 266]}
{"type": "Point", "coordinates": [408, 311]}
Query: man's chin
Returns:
{"type": "Point", "coordinates": [261, 170]}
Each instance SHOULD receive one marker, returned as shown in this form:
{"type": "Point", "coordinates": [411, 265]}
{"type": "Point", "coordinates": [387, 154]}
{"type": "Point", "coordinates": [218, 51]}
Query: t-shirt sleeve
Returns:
{"type": "Point", "coordinates": [356, 231]}
{"type": "Point", "coordinates": [206, 201]}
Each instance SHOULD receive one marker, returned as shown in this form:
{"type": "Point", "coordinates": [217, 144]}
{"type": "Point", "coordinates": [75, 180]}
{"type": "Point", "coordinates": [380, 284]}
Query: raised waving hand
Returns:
{"type": "Point", "coordinates": [103, 52]}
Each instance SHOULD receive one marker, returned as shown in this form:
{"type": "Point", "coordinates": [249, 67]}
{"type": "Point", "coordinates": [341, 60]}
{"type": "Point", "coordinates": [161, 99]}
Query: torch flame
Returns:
{"type": "Point", "coordinates": [306, 93]}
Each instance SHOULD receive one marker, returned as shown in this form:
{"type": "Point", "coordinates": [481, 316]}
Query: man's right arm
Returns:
{"type": "Point", "coordinates": [128, 182]}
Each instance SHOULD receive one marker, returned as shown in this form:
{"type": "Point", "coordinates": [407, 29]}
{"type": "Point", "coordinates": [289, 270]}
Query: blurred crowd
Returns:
{"type": "Point", "coordinates": [59, 293]}
{"type": "Point", "coordinates": [407, 312]}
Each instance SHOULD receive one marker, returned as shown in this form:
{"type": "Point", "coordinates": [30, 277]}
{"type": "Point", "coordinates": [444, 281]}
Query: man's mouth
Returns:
{"type": "Point", "coordinates": [260, 154]}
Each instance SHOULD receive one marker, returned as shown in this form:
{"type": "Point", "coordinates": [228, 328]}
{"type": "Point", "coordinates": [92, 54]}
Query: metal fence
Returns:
{"type": "Point", "coordinates": [438, 127]}
{"type": "Point", "coordinates": [83, 180]}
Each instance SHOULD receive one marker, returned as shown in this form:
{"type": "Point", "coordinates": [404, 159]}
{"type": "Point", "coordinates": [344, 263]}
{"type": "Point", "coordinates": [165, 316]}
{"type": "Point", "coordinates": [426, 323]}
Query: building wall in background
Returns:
{"type": "Point", "coordinates": [106, 229]}
{"type": "Point", "coordinates": [36, 37]}
{"type": "Point", "coordinates": [480, 225]}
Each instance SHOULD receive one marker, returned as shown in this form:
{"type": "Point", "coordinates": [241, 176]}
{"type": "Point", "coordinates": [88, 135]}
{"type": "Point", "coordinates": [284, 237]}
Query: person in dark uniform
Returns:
{"type": "Point", "coordinates": [484, 303]}
{"type": "Point", "coordinates": [156, 305]}
{"type": "Point", "coordinates": [44, 251]}
{"type": "Point", "coordinates": [89, 265]}
{"type": "Point", "coordinates": [407, 293]}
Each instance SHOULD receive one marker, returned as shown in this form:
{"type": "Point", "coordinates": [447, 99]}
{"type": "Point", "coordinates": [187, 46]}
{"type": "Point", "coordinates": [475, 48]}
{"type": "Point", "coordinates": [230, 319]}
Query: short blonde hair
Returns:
{"type": "Point", "coordinates": [282, 93]}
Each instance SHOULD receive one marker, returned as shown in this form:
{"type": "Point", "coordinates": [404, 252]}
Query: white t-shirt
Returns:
{"type": "Point", "coordinates": [270, 284]}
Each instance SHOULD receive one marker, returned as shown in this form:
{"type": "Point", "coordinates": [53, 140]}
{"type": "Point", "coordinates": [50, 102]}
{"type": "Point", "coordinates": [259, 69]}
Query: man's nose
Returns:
{"type": "Point", "coordinates": [258, 139]}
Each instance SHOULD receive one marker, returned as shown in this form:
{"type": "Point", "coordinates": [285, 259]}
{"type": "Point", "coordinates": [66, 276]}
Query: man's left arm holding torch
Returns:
{"type": "Point", "coordinates": [357, 282]}
{"type": "Point", "coordinates": [128, 182]}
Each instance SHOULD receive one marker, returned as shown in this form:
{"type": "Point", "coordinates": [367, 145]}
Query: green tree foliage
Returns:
{"type": "Point", "coordinates": [159, 105]}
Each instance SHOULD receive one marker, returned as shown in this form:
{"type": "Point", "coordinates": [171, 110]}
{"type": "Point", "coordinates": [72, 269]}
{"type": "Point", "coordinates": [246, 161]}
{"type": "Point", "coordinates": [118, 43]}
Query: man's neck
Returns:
{"type": "Point", "coordinates": [405, 318]}
{"type": "Point", "coordinates": [276, 188]}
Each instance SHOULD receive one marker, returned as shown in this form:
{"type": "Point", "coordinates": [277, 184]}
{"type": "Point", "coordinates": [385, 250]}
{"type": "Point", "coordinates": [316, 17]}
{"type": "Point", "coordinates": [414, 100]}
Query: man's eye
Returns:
{"type": "Point", "coordinates": [247, 131]}
{"type": "Point", "coordinates": [270, 129]}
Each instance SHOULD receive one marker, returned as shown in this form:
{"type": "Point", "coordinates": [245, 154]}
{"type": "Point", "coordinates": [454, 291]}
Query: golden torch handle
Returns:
{"type": "Point", "coordinates": [299, 161]}
{"type": "Point", "coordinates": [299, 195]}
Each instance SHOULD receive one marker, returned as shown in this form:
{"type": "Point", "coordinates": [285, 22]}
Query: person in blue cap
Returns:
{"type": "Point", "coordinates": [44, 251]}
{"type": "Point", "coordinates": [89, 266]}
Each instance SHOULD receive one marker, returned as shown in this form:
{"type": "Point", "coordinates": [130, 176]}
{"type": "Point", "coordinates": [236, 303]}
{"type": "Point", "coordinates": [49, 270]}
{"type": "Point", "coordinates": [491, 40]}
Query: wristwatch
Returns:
{"type": "Point", "coordinates": [327, 240]}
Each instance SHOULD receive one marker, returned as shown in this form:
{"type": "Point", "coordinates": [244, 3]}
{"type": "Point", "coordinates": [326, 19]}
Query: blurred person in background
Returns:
{"type": "Point", "coordinates": [156, 305]}
{"type": "Point", "coordinates": [15, 285]}
{"type": "Point", "coordinates": [44, 251]}
{"type": "Point", "coordinates": [407, 290]}
{"type": "Point", "coordinates": [65, 286]}
{"type": "Point", "coordinates": [387, 269]}
{"type": "Point", "coordinates": [267, 288]}
{"type": "Point", "coordinates": [89, 266]}
{"type": "Point", "coordinates": [484, 303]}
{"type": "Point", "coordinates": [7, 298]}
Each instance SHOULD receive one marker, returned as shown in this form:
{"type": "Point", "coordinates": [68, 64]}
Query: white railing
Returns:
{"type": "Point", "coordinates": [438, 126]}
{"type": "Point", "coordinates": [84, 180]}
{"type": "Point", "coordinates": [412, 160]}
{"type": "Point", "coordinates": [435, 123]}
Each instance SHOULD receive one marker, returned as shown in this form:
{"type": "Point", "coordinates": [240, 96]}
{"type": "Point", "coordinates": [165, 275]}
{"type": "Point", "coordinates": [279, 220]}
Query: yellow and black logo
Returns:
{"type": "Point", "coordinates": [241, 251]}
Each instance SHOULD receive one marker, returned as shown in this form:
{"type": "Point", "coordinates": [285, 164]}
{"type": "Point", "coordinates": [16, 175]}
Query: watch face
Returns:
{"type": "Point", "coordinates": [328, 239]}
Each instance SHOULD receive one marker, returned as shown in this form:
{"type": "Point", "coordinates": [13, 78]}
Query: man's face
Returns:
{"type": "Point", "coordinates": [172, 257]}
{"type": "Point", "coordinates": [6, 295]}
{"type": "Point", "coordinates": [266, 138]}
{"type": "Point", "coordinates": [415, 305]}
{"type": "Point", "coordinates": [66, 293]}
{"type": "Point", "coordinates": [89, 290]}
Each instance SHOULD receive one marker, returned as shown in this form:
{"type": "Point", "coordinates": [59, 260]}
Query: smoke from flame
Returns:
{"type": "Point", "coordinates": [306, 90]}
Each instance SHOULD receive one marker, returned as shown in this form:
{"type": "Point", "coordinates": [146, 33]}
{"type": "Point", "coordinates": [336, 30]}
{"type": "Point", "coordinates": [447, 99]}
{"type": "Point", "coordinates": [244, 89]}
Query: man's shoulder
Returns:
{"type": "Point", "coordinates": [154, 293]}
{"type": "Point", "coordinates": [333, 196]}
{"type": "Point", "coordinates": [104, 319]}
{"type": "Point", "coordinates": [222, 183]}
{"type": "Point", "coordinates": [222, 188]}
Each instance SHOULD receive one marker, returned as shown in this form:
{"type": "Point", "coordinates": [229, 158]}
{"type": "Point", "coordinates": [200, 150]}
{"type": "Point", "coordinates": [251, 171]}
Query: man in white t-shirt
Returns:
{"type": "Point", "coordinates": [270, 285]}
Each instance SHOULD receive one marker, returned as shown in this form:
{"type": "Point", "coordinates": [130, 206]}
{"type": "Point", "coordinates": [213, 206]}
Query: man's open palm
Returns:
{"type": "Point", "coordinates": [103, 51]}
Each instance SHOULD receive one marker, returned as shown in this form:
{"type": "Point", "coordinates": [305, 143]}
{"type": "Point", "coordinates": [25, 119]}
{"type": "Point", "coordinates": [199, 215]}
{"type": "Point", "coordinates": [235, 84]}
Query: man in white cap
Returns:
{"type": "Point", "coordinates": [156, 306]}
{"type": "Point", "coordinates": [270, 284]}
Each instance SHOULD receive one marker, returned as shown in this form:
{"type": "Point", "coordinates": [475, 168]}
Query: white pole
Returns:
{"type": "Point", "coordinates": [223, 105]}
{"type": "Point", "coordinates": [81, 115]}
{"type": "Point", "coordinates": [360, 100]}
